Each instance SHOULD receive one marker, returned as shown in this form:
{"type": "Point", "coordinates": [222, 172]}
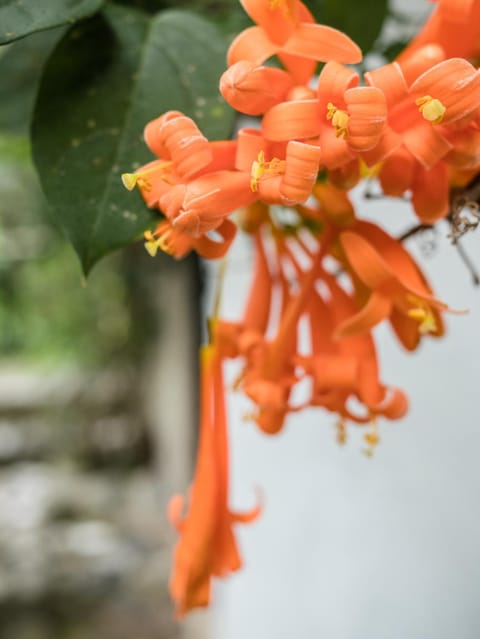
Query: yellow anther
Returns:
{"type": "Point", "coordinates": [261, 168]}
{"type": "Point", "coordinates": [425, 316]}
{"type": "Point", "coordinates": [129, 180]}
{"type": "Point", "coordinates": [432, 109]}
{"type": "Point", "coordinates": [160, 170]}
{"type": "Point", "coordinates": [257, 171]}
{"type": "Point", "coordinates": [339, 120]}
{"type": "Point", "coordinates": [151, 243]}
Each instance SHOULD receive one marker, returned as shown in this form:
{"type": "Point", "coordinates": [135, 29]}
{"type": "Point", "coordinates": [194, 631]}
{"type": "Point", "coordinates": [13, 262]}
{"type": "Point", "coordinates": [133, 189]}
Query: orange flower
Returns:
{"type": "Point", "coordinates": [206, 547]}
{"type": "Point", "coordinates": [427, 123]}
{"type": "Point", "coordinates": [455, 26]}
{"type": "Point", "coordinates": [390, 284]}
{"type": "Point", "coordinates": [285, 28]}
{"type": "Point", "coordinates": [183, 152]}
{"type": "Point", "coordinates": [346, 369]}
{"type": "Point", "coordinates": [202, 204]}
{"type": "Point", "coordinates": [172, 241]}
{"type": "Point", "coordinates": [448, 92]}
{"type": "Point", "coordinates": [349, 119]}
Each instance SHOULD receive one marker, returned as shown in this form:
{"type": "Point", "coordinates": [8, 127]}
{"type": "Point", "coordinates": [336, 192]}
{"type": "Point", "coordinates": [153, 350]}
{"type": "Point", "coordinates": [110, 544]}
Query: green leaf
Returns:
{"type": "Point", "coordinates": [361, 21]}
{"type": "Point", "coordinates": [94, 102]}
{"type": "Point", "coordinates": [21, 65]}
{"type": "Point", "coordinates": [18, 18]}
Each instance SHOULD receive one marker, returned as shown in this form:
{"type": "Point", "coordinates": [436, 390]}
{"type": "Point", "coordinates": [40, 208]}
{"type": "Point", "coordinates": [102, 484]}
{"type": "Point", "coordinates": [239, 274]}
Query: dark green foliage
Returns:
{"type": "Point", "coordinates": [94, 102]}
{"type": "Point", "coordinates": [19, 18]}
{"type": "Point", "coordinates": [362, 21]}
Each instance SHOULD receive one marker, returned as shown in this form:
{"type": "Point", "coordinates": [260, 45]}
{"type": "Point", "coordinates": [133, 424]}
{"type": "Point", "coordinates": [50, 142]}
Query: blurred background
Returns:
{"type": "Point", "coordinates": [97, 416]}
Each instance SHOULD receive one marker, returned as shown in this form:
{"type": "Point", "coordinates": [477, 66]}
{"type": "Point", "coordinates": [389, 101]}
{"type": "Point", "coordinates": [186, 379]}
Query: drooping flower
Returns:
{"type": "Point", "coordinates": [206, 547]}
{"type": "Point", "coordinates": [390, 285]}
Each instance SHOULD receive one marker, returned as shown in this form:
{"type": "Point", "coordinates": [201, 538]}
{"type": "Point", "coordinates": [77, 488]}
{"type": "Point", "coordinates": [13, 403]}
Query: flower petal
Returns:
{"type": "Point", "coordinates": [415, 62]}
{"type": "Point", "coordinates": [292, 121]}
{"type": "Point", "coordinates": [430, 193]}
{"type": "Point", "coordinates": [253, 45]}
{"type": "Point", "coordinates": [376, 309]}
{"type": "Point", "coordinates": [365, 260]}
{"type": "Point", "coordinates": [322, 43]}
{"type": "Point", "coordinates": [426, 144]}
{"type": "Point", "coordinates": [213, 250]}
{"type": "Point", "coordinates": [250, 142]}
{"type": "Point", "coordinates": [277, 20]}
{"type": "Point", "coordinates": [396, 174]}
{"type": "Point", "coordinates": [335, 151]}
{"type": "Point", "coordinates": [455, 10]}
{"type": "Point", "coordinates": [301, 170]}
{"type": "Point", "coordinates": [333, 81]}
{"type": "Point", "coordinates": [390, 80]}
{"type": "Point", "coordinates": [367, 109]}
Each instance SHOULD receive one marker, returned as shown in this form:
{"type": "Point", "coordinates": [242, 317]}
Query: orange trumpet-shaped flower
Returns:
{"type": "Point", "coordinates": [202, 204]}
{"type": "Point", "coordinates": [183, 152]}
{"type": "Point", "coordinates": [448, 92]}
{"type": "Point", "coordinates": [285, 28]}
{"type": "Point", "coordinates": [173, 242]}
{"type": "Point", "coordinates": [347, 368]}
{"type": "Point", "coordinates": [176, 137]}
{"type": "Point", "coordinates": [206, 547]}
{"type": "Point", "coordinates": [349, 119]}
{"type": "Point", "coordinates": [393, 286]}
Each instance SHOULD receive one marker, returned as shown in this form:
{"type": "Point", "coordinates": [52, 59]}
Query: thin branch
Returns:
{"type": "Point", "coordinates": [418, 228]}
{"type": "Point", "coordinates": [468, 263]}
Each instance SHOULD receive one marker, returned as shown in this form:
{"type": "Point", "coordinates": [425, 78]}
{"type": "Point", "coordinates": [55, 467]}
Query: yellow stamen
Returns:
{"type": "Point", "coordinates": [151, 244]}
{"type": "Point", "coordinates": [372, 438]}
{"type": "Point", "coordinates": [341, 427]}
{"type": "Point", "coordinates": [152, 248]}
{"type": "Point", "coordinates": [161, 169]}
{"type": "Point", "coordinates": [260, 168]}
{"type": "Point", "coordinates": [431, 108]}
{"type": "Point", "coordinates": [339, 120]}
{"type": "Point", "coordinates": [426, 318]}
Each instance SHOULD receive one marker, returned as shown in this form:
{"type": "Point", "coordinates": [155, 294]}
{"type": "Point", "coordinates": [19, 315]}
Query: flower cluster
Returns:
{"type": "Point", "coordinates": [415, 125]}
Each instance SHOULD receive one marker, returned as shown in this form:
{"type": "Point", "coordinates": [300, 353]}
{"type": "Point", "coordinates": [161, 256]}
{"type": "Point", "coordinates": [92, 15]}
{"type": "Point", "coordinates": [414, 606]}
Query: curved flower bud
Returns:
{"type": "Point", "coordinates": [253, 89]}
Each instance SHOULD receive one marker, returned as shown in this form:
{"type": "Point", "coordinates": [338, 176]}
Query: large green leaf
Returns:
{"type": "Point", "coordinates": [21, 65]}
{"type": "Point", "coordinates": [18, 18]}
{"type": "Point", "coordinates": [93, 103]}
{"type": "Point", "coordinates": [362, 21]}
